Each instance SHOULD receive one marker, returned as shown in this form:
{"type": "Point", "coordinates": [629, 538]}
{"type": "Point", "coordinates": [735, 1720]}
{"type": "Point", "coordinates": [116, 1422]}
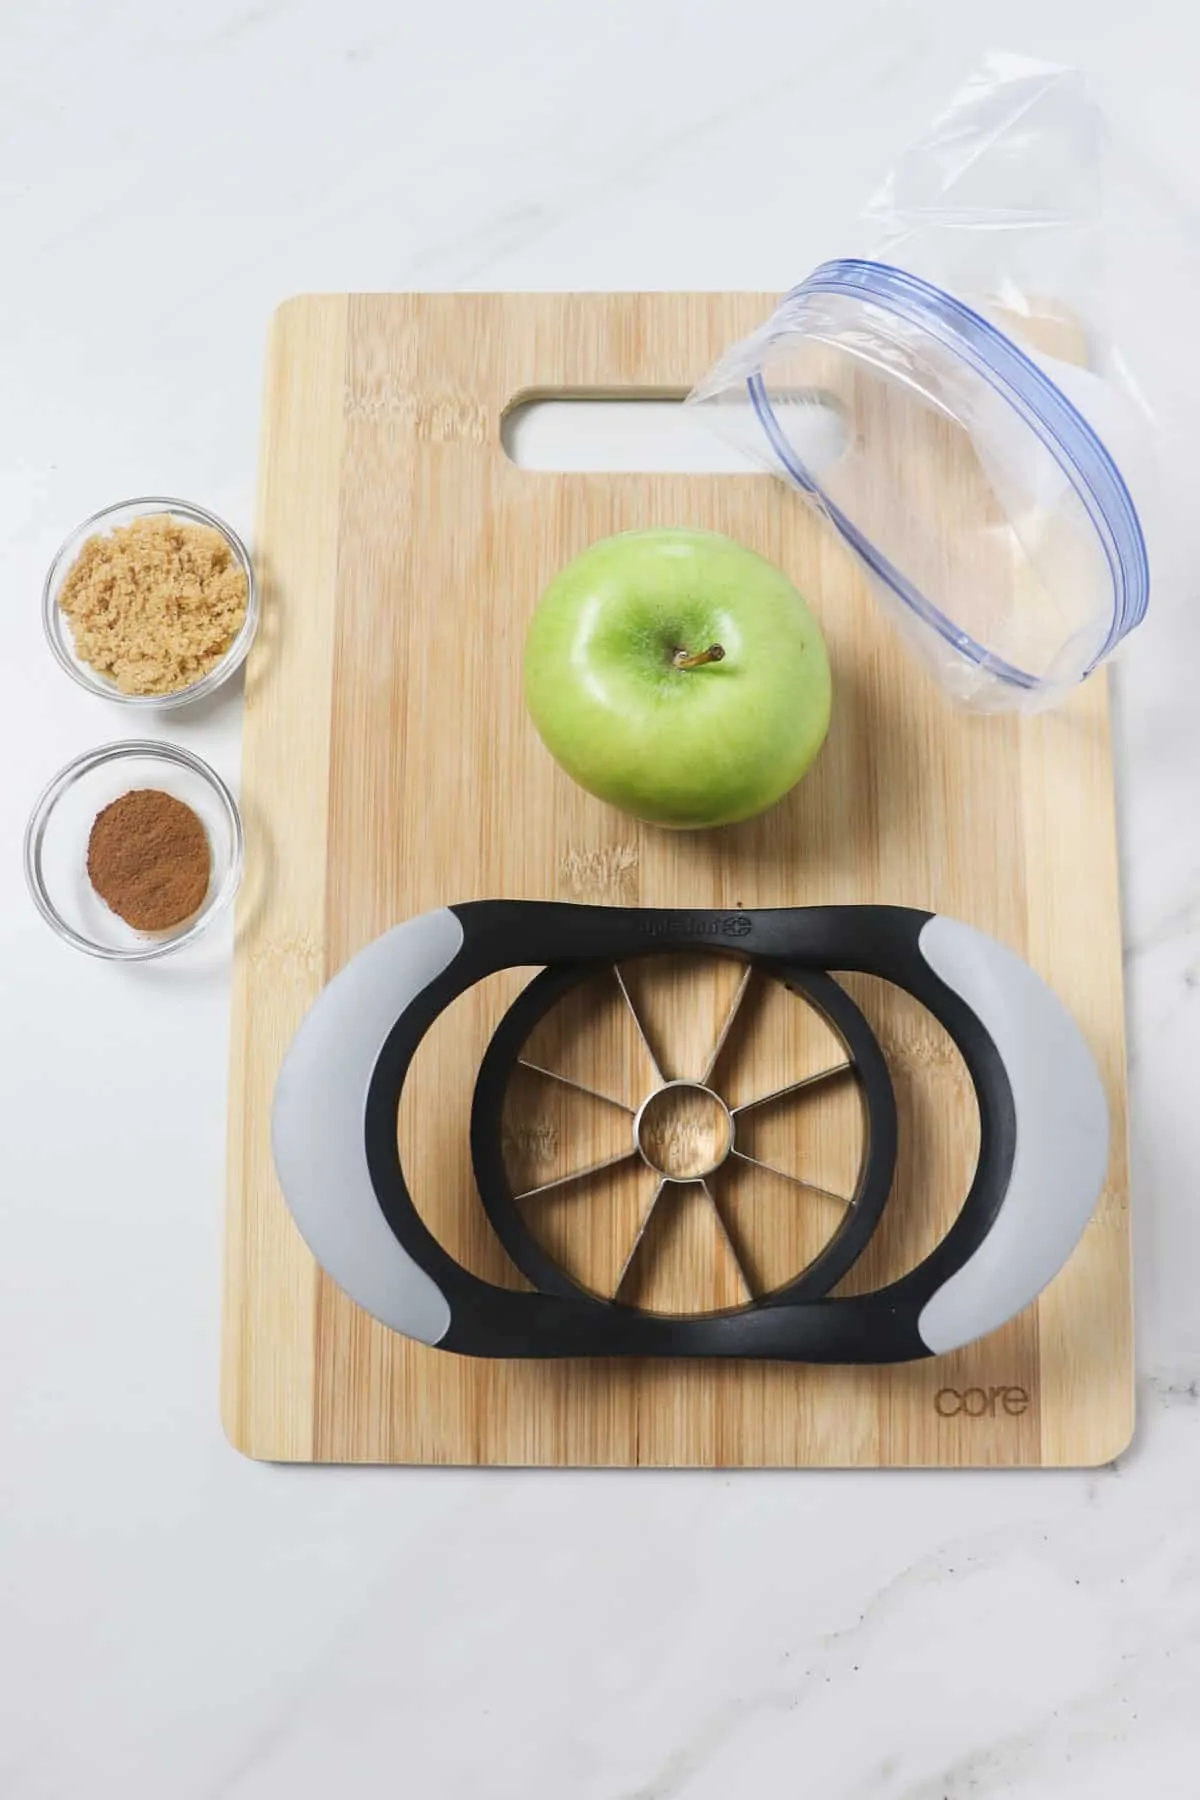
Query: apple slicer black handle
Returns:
{"type": "Point", "coordinates": [1043, 1132]}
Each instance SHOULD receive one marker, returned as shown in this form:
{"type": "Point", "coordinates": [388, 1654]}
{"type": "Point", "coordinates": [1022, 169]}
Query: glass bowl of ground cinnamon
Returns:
{"type": "Point", "coordinates": [133, 850]}
{"type": "Point", "coordinates": [152, 603]}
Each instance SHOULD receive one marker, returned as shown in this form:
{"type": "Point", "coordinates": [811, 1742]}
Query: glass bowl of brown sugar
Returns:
{"type": "Point", "coordinates": [133, 850]}
{"type": "Point", "coordinates": [151, 603]}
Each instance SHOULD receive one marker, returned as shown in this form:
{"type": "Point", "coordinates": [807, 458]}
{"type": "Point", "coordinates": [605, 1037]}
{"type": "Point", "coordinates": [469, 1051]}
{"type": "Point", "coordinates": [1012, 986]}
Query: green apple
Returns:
{"type": "Point", "coordinates": [679, 676]}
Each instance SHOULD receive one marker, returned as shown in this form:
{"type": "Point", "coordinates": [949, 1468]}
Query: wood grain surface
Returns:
{"type": "Point", "coordinates": [390, 768]}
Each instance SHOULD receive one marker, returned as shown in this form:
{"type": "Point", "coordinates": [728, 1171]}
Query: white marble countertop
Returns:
{"type": "Point", "coordinates": [179, 1622]}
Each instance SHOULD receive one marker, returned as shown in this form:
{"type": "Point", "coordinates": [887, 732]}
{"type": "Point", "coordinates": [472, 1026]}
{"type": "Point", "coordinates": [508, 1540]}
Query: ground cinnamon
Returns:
{"type": "Point", "coordinates": [149, 859]}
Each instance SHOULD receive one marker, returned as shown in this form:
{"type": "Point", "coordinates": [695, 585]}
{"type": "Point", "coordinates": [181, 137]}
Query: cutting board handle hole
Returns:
{"type": "Point", "coordinates": [657, 434]}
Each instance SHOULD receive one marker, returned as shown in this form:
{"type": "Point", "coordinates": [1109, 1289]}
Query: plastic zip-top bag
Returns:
{"type": "Point", "coordinates": [956, 402]}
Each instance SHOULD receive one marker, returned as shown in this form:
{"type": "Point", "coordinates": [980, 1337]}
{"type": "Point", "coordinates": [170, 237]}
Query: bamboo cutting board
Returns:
{"type": "Point", "coordinates": [390, 768]}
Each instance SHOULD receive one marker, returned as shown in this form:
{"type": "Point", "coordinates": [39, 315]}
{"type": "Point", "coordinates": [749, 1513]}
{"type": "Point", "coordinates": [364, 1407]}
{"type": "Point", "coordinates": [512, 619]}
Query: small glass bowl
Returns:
{"type": "Point", "coordinates": [58, 626]}
{"type": "Point", "coordinates": [56, 841]}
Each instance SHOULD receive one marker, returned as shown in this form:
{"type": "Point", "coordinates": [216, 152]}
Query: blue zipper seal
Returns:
{"type": "Point", "coordinates": [1058, 425]}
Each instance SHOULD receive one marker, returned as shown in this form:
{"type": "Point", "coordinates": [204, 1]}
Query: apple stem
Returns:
{"type": "Point", "coordinates": [686, 659]}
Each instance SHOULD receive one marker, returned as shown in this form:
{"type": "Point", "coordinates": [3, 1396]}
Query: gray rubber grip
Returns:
{"type": "Point", "coordinates": [1062, 1135]}
{"type": "Point", "coordinates": [317, 1135]}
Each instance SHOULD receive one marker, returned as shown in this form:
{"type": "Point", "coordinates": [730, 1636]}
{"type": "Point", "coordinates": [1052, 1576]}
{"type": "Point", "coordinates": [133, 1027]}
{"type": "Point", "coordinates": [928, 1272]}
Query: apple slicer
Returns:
{"type": "Point", "coordinates": [1043, 1133]}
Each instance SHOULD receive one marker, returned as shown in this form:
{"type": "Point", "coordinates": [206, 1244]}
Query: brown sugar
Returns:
{"type": "Point", "coordinates": [149, 859]}
{"type": "Point", "coordinates": [155, 605]}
